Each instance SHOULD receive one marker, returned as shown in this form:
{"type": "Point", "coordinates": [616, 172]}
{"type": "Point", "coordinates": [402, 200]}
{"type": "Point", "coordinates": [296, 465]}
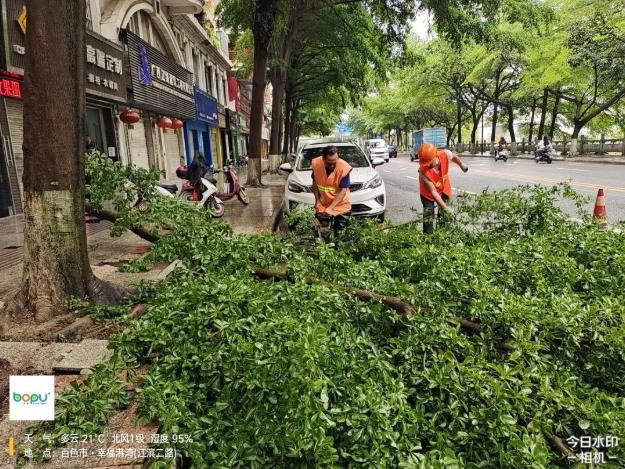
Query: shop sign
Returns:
{"type": "Point", "coordinates": [222, 120]}
{"type": "Point", "coordinates": [105, 68]}
{"type": "Point", "coordinates": [206, 106]}
{"type": "Point", "coordinates": [159, 84]}
{"type": "Point", "coordinates": [10, 88]}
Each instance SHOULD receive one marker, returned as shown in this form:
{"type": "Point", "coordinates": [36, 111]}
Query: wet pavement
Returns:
{"type": "Point", "coordinates": [402, 187]}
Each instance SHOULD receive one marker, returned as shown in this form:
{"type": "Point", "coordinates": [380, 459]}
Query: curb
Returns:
{"type": "Point", "coordinates": [585, 160]}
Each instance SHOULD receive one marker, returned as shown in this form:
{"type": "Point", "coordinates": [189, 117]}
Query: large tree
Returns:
{"type": "Point", "coordinates": [56, 263]}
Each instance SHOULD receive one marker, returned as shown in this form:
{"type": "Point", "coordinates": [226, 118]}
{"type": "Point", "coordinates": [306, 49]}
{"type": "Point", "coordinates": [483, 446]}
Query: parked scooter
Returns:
{"type": "Point", "coordinates": [232, 185]}
{"type": "Point", "coordinates": [199, 187]}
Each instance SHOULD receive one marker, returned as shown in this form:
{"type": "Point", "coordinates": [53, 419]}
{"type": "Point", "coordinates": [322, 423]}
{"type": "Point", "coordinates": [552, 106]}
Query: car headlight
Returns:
{"type": "Point", "coordinates": [298, 188]}
{"type": "Point", "coordinates": [376, 181]}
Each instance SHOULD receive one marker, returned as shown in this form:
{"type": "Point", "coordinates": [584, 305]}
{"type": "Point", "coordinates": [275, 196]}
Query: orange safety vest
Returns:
{"type": "Point", "coordinates": [328, 185]}
{"type": "Point", "coordinates": [440, 180]}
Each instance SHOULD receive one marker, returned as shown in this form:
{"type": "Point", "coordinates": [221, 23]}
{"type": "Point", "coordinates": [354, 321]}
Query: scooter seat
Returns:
{"type": "Point", "coordinates": [173, 188]}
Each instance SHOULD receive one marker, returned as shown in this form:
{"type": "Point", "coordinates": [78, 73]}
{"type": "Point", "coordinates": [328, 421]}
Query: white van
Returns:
{"type": "Point", "coordinates": [377, 148]}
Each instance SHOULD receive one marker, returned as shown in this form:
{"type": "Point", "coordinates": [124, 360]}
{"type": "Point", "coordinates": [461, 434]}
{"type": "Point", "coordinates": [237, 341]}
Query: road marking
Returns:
{"type": "Point", "coordinates": [538, 179]}
{"type": "Point", "coordinates": [404, 168]}
{"type": "Point", "coordinates": [412, 177]}
{"type": "Point", "coordinates": [386, 171]}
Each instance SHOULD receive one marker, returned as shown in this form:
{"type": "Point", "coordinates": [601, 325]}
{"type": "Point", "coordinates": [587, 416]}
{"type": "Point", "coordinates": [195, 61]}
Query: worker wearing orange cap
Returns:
{"type": "Point", "coordinates": [434, 183]}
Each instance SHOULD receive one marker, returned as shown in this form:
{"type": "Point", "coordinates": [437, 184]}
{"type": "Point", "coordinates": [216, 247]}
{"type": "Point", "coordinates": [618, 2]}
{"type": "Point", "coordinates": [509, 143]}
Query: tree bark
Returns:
{"type": "Point", "coordinates": [264, 19]}
{"type": "Point", "coordinates": [56, 262]}
{"type": "Point", "coordinates": [554, 117]}
{"type": "Point", "coordinates": [287, 122]}
{"type": "Point", "coordinates": [543, 114]}
{"type": "Point", "coordinates": [459, 116]}
{"type": "Point", "coordinates": [493, 133]}
{"type": "Point", "coordinates": [511, 124]}
{"type": "Point", "coordinates": [277, 83]}
{"type": "Point", "coordinates": [577, 128]}
{"type": "Point", "coordinates": [531, 130]}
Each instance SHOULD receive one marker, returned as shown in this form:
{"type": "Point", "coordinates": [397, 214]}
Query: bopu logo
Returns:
{"type": "Point", "coordinates": [32, 398]}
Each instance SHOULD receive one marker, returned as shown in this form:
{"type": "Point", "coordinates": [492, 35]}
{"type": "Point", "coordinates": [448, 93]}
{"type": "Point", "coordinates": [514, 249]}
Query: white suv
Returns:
{"type": "Point", "coordinates": [377, 148]}
{"type": "Point", "coordinates": [367, 190]}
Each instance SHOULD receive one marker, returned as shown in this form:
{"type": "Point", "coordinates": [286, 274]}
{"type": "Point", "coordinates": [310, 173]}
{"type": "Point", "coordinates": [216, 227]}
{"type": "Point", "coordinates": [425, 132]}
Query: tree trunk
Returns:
{"type": "Point", "coordinates": [287, 123]}
{"type": "Point", "coordinates": [264, 20]}
{"type": "Point", "coordinates": [531, 130]}
{"type": "Point", "coordinates": [543, 114]}
{"type": "Point", "coordinates": [56, 262]}
{"type": "Point", "coordinates": [277, 82]}
{"type": "Point", "coordinates": [511, 124]}
{"type": "Point", "coordinates": [493, 133]}
{"type": "Point", "coordinates": [459, 116]}
{"type": "Point", "coordinates": [577, 128]}
{"type": "Point", "coordinates": [554, 117]}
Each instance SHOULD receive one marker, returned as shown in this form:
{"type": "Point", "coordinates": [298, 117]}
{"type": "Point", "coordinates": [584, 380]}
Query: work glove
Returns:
{"type": "Point", "coordinates": [449, 212]}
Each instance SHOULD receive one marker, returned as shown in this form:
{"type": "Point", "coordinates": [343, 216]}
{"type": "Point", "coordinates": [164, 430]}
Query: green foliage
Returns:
{"type": "Point", "coordinates": [292, 374]}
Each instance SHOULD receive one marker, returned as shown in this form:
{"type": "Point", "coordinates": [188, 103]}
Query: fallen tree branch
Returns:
{"type": "Point", "coordinates": [112, 217]}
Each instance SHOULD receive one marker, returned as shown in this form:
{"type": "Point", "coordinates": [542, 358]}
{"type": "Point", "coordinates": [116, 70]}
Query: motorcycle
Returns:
{"type": "Point", "coordinates": [542, 155]}
{"type": "Point", "coordinates": [502, 154]}
{"type": "Point", "coordinates": [232, 184]}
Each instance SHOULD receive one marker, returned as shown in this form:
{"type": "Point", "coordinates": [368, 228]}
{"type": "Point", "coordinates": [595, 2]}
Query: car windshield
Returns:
{"type": "Point", "coordinates": [350, 154]}
{"type": "Point", "coordinates": [377, 144]}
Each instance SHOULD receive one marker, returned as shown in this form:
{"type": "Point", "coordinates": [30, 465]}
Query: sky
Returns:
{"type": "Point", "coordinates": [421, 25]}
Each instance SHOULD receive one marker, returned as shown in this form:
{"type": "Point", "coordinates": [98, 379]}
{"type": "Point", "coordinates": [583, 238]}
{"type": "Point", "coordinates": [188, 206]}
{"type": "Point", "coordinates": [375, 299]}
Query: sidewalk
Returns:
{"type": "Point", "coordinates": [265, 203]}
{"type": "Point", "coordinates": [600, 159]}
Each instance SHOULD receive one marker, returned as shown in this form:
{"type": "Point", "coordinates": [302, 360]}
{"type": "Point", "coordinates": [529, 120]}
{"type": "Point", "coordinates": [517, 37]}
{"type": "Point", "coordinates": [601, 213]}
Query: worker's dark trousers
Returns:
{"type": "Point", "coordinates": [428, 213]}
{"type": "Point", "coordinates": [341, 222]}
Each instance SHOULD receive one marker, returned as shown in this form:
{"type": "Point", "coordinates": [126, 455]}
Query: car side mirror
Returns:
{"type": "Point", "coordinates": [377, 161]}
{"type": "Point", "coordinates": [286, 167]}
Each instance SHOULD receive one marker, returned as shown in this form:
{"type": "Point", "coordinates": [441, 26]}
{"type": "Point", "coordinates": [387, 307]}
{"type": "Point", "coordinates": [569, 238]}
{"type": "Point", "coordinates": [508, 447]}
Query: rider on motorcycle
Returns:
{"type": "Point", "coordinates": [543, 147]}
{"type": "Point", "coordinates": [502, 145]}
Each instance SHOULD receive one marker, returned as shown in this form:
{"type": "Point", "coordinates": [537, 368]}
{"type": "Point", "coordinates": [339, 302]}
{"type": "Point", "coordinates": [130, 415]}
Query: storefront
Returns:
{"type": "Point", "coordinates": [232, 122]}
{"type": "Point", "coordinates": [163, 92]}
{"type": "Point", "coordinates": [105, 89]}
{"type": "Point", "coordinates": [223, 134]}
{"type": "Point", "coordinates": [200, 133]}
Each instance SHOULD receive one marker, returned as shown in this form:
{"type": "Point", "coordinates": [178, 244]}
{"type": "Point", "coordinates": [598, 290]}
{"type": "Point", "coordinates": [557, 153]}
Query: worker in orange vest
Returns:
{"type": "Point", "coordinates": [434, 183]}
{"type": "Point", "coordinates": [331, 183]}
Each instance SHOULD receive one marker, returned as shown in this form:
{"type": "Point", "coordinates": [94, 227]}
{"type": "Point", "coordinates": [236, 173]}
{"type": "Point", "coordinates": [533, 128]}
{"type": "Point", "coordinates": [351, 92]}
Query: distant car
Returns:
{"type": "Point", "coordinates": [392, 151]}
{"type": "Point", "coordinates": [377, 148]}
{"type": "Point", "coordinates": [367, 190]}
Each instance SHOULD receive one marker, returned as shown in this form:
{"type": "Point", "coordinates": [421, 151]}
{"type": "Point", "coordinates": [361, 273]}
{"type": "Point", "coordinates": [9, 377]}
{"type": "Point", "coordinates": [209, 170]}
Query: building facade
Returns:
{"type": "Point", "coordinates": [158, 58]}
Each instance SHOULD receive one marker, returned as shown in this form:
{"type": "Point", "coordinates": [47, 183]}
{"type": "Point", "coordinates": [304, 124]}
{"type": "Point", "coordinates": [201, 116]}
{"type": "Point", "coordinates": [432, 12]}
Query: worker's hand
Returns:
{"type": "Point", "coordinates": [448, 211]}
{"type": "Point", "coordinates": [318, 206]}
{"type": "Point", "coordinates": [465, 168]}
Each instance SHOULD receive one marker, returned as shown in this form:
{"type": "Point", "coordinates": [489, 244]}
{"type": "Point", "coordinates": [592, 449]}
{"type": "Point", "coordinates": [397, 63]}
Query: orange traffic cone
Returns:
{"type": "Point", "coordinates": [600, 215]}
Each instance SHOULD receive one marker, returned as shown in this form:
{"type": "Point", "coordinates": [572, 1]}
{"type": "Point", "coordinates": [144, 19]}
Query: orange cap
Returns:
{"type": "Point", "coordinates": [427, 153]}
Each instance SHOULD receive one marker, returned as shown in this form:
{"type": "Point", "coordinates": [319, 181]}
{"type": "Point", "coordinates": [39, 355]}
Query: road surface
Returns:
{"type": "Point", "coordinates": [402, 187]}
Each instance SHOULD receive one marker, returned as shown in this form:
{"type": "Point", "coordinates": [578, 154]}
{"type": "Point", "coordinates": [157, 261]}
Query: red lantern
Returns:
{"type": "Point", "coordinates": [129, 117]}
{"type": "Point", "coordinates": [177, 124]}
{"type": "Point", "coordinates": [164, 123]}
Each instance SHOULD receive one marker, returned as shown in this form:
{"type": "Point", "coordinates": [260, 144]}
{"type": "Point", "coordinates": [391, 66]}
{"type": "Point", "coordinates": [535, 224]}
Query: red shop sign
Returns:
{"type": "Point", "coordinates": [10, 88]}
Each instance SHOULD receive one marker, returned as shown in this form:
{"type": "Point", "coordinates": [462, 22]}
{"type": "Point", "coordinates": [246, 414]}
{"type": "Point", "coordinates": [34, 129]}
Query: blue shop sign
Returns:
{"type": "Point", "coordinates": [206, 106]}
